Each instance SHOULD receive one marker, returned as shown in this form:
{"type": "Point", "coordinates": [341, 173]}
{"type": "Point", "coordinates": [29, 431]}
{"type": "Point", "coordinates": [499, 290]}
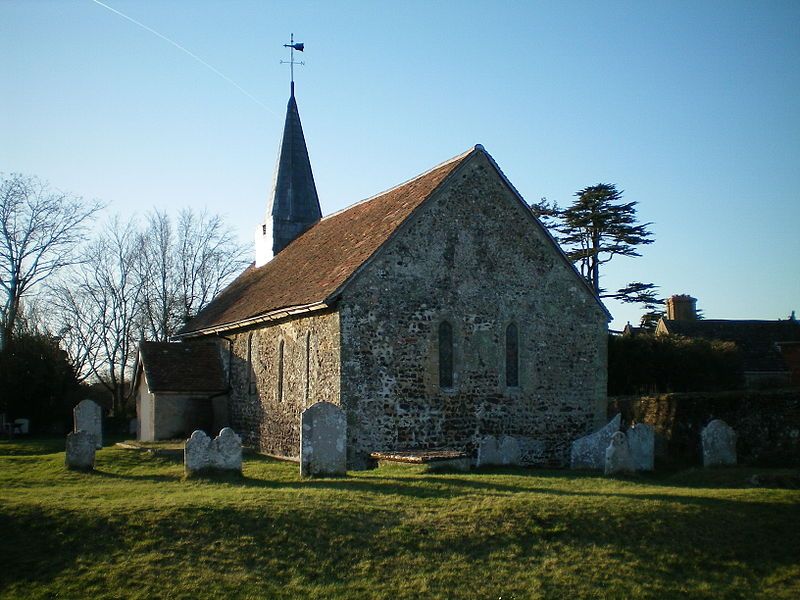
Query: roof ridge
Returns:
{"type": "Point", "coordinates": [476, 147]}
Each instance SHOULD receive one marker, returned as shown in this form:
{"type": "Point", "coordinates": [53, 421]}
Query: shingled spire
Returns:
{"type": "Point", "coordinates": [294, 204]}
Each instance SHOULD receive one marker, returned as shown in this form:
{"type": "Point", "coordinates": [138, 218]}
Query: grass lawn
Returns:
{"type": "Point", "coordinates": [135, 529]}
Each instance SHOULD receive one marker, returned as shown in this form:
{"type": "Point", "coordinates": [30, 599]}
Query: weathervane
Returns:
{"type": "Point", "coordinates": [299, 46]}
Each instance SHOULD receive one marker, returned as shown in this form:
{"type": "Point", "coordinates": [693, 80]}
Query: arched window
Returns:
{"type": "Point", "coordinates": [512, 355]}
{"type": "Point", "coordinates": [445, 355]}
{"type": "Point", "coordinates": [280, 371]}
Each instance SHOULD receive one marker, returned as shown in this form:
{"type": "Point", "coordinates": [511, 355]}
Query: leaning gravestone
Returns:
{"type": "Point", "coordinates": [618, 455]}
{"type": "Point", "coordinates": [588, 452]}
{"type": "Point", "coordinates": [719, 444]}
{"type": "Point", "coordinates": [642, 442]}
{"type": "Point", "coordinates": [323, 436]}
{"type": "Point", "coordinates": [80, 451]}
{"type": "Point", "coordinates": [88, 416]}
{"type": "Point", "coordinates": [223, 453]}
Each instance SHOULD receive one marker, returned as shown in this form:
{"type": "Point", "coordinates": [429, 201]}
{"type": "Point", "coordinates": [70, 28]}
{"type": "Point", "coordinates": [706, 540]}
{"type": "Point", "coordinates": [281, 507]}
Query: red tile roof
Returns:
{"type": "Point", "coordinates": [321, 260]}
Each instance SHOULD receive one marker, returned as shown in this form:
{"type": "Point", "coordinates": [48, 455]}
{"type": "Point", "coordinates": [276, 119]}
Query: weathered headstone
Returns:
{"type": "Point", "coordinates": [642, 443]}
{"type": "Point", "coordinates": [133, 427]}
{"type": "Point", "coordinates": [223, 453]}
{"type": "Point", "coordinates": [323, 437]}
{"type": "Point", "coordinates": [719, 444]}
{"type": "Point", "coordinates": [80, 451]}
{"type": "Point", "coordinates": [197, 453]}
{"type": "Point", "coordinates": [88, 416]}
{"type": "Point", "coordinates": [618, 456]}
{"type": "Point", "coordinates": [226, 451]}
{"type": "Point", "coordinates": [487, 452]}
{"type": "Point", "coordinates": [588, 452]}
{"type": "Point", "coordinates": [22, 425]}
{"type": "Point", "coordinates": [508, 450]}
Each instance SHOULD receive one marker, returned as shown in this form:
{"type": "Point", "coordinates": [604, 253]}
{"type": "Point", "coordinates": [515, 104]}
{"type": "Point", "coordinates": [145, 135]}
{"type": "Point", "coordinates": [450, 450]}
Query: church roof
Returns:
{"type": "Point", "coordinates": [308, 274]}
{"type": "Point", "coordinates": [315, 265]}
{"type": "Point", "coordinates": [181, 367]}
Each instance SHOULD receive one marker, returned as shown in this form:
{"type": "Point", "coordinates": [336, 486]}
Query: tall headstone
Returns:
{"type": "Point", "coordinates": [642, 443]}
{"type": "Point", "coordinates": [323, 440]}
{"type": "Point", "coordinates": [618, 456]}
{"type": "Point", "coordinates": [508, 449]}
{"type": "Point", "coordinates": [719, 444]}
{"type": "Point", "coordinates": [88, 416]}
{"type": "Point", "coordinates": [80, 451]}
{"type": "Point", "coordinates": [588, 452]}
{"type": "Point", "coordinates": [487, 452]}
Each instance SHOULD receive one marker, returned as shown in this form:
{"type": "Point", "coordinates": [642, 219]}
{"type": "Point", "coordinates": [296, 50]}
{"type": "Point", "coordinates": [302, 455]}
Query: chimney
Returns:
{"type": "Point", "coordinates": [682, 307]}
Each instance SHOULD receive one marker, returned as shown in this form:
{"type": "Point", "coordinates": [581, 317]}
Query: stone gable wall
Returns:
{"type": "Point", "coordinates": [471, 256]}
{"type": "Point", "coordinates": [269, 423]}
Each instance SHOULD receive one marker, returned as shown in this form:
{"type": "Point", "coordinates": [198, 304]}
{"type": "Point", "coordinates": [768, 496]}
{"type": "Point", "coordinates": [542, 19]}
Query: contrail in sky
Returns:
{"type": "Point", "coordinates": [189, 52]}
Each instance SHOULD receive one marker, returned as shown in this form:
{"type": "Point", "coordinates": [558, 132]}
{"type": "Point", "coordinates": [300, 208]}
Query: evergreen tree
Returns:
{"type": "Point", "coordinates": [594, 229]}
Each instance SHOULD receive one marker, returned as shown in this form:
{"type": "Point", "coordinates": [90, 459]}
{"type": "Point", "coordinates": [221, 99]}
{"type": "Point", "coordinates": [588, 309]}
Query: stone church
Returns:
{"type": "Point", "coordinates": [435, 313]}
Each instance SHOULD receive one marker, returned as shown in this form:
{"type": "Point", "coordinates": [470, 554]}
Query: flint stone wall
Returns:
{"type": "Point", "coordinates": [80, 451]}
{"type": "Point", "coordinates": [767, 424]}
{"type": "Point", "coordinates": [88, 416]}
{"type": "Point", "coordinates": [719, 444]}
{"type": "Point", "coordinates": [268, 415]}
{"type": "Point", "coordinates": [588, 452]}
{"type": "Point", "coordinates": [323, 438]}
{"type": "Point", "coordinates": [472, 257]}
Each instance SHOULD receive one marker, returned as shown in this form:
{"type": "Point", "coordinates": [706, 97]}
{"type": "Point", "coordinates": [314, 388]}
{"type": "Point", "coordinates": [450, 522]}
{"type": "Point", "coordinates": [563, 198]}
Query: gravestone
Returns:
{"type": "Point", "coordinates": [22, 425]}
{"type": "Point", "coordinates": [487, 452]}
{"type": "Point", "coordinates": [80, 451]}
{"type": "Point", "coordinates": [508, 450]}
{"type": "Point", "coordinates": [323, 437]}
{"type": "Point", "coordinates": [223, 453]}
{"type": "Point", "coordinates": [642, 442]}
{"type": "Point", "coordinates": [719, 444]}
{"type": "Point", "coordinates": [88, 416]}
{"type": "Point", "coordinates": [196, 453]}
{"type": "Point", "coordinates": [226, 451]}
{"type": "Point", "coordinates": [618, 456]}
{"type": "Point", "coordinates": [588, 452]}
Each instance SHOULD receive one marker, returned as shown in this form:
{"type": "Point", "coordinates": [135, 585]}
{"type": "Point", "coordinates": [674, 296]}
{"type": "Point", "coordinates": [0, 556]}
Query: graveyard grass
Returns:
{"type": "Point", "coordinates": [135, 529]}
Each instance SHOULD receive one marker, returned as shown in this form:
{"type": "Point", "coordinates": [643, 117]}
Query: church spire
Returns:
{"type": "Point", "coordinates": [293, 204]}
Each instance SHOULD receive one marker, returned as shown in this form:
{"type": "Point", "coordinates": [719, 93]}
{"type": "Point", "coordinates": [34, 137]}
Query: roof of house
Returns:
{"type": "Point", "coordinates": [181, 367]}
{"type": "Point", "coordinates": [310, 271]}
{"type": "Point", "coordinates": [757, 340]}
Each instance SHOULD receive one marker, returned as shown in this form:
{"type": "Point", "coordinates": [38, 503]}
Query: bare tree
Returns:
{"type": "Point", "coordinates": [184, 267]}
{"type": "Point", "coordinates": [99, 309]}
{"type": "Point", "coordinates": [41, 230]}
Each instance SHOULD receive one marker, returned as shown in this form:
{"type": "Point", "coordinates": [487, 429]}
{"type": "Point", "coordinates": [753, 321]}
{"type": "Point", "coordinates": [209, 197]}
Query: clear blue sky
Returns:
{"type": "Point", "coordinates": [693, 108]}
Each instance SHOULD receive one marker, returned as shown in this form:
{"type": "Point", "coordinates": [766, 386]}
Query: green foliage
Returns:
{"type": "Point", "coordinates": [134, 529]}
{"type": "Point", "coordinates": [37, 381]}
{"type": "Point", "coordinates": [645, 364]}
{"type": "Point", "coordinates": [594, 229]}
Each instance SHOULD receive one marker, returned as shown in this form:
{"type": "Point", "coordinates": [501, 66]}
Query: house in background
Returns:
{"type": "Point", "coordinates": [178, 388]}
{"type": "Point", "coordinates": [435, 313]}
{"type": "Point", "coordinates": [767, 347]}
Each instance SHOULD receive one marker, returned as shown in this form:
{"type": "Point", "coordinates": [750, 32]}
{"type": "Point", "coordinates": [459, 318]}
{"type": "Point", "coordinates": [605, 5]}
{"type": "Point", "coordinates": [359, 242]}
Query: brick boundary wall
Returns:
{"type": "Point", "coordinates": [767, 423]}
